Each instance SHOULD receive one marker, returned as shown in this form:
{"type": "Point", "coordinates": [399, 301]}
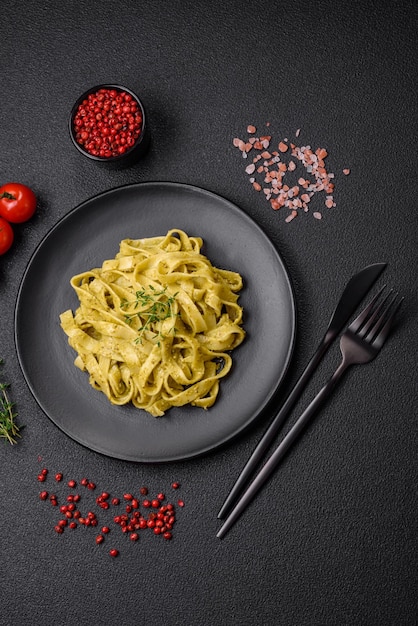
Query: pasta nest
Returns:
{"type": "Point", "coordinates": [155, 325]}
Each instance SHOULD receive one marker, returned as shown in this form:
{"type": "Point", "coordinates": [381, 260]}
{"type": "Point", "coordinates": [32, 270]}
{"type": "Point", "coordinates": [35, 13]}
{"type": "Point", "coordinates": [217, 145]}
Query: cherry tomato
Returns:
{"type": "Point", "coordinates": [17, 202]}
{"type": "Point", "coordinates": [6, 236]}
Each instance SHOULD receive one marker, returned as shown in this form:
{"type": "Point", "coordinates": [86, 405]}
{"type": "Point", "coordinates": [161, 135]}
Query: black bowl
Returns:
{"type": "Point", "coordinates": [132, 154]}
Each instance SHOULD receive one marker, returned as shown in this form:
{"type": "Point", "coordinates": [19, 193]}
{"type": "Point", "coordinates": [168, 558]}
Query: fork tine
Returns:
{"type": "Point", "coordinates": [378, 321]}
{"type": "Point", "coordinates": [383, 333]}
{"type": "Point", "coordinates": [359, 321]}
{"type": "Point", "coordinates": [365, 331]}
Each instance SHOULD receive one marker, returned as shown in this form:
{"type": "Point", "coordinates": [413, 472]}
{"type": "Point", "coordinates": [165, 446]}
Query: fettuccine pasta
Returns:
{"type": "Point", "coordinates": [155, 325]}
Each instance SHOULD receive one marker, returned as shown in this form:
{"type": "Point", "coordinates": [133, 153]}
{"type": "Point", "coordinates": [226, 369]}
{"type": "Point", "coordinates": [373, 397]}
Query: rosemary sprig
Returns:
{"type": "Point", "coordinates": [156, 306]}
{"type": "Point", "coordinates": [8, 428]}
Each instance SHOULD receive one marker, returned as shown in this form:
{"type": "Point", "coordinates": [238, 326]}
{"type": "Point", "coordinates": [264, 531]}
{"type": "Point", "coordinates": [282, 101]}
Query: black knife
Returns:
{"type": "Point", "coordinates": [354, 292]}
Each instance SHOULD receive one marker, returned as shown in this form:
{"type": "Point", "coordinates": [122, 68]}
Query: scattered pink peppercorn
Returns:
{"type": "Point", "coordinates": [160, 517]}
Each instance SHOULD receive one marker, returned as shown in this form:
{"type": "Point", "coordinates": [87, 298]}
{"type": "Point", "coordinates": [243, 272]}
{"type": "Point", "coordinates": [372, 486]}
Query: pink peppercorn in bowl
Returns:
{"type": "Point", "coordinates": [107, 125]}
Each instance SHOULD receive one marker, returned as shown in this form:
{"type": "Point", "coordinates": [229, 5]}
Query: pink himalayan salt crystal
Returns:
{"type": "Point", "coordinates": [313, 161]}
{"type": "Point", "coordinates": [291, 217]}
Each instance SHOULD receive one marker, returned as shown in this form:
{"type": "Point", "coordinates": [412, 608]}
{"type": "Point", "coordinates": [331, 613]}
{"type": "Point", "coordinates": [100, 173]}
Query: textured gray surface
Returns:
{"type": "Point", "coordinates": [333, 537]}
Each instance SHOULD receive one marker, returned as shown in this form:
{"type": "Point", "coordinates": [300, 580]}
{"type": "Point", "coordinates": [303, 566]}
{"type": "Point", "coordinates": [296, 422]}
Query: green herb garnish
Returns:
{"type": "Point", "coordinates": [8, 428]}
{"type": "Point", "coordinates": [156, 306]}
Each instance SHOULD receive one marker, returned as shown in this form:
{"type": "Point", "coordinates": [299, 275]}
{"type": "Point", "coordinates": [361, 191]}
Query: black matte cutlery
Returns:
{"type": "Point", "coordinates": [360, 343]}
{"type": "Point", "coordinates": [354, 292]}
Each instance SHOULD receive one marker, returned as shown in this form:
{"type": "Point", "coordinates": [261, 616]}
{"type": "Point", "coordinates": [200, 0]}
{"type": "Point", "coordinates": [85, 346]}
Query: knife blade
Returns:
{"type": "Point", "coordinates": [354, 292]}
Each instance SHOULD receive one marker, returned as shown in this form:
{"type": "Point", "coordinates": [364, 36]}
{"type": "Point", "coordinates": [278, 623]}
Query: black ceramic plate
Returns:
{"type": "Point", "coordinates": [87, 236]}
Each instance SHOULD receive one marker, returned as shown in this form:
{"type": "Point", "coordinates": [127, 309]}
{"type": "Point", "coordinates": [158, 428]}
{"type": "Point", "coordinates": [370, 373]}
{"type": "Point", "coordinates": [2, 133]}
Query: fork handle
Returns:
{"type": "Point", "coordinates": [308, 414]}
{"type": "Point", "coordinates": [283, 447]}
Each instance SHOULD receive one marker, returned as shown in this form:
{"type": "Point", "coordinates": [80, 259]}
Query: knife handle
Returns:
{"type": "Point", "coordinates": [273, 429]}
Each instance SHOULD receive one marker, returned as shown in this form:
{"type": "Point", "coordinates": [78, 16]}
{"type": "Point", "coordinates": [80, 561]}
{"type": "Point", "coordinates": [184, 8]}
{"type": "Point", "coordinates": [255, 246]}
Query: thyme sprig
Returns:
{"type": "Point", "coordinates": [8, 427]}
{"type": "Point", "coordinates": [156, 306]}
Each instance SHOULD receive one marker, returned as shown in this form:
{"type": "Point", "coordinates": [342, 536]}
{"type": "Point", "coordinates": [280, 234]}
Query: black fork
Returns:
{"type": "Point", "coordinates": [360, 343]}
